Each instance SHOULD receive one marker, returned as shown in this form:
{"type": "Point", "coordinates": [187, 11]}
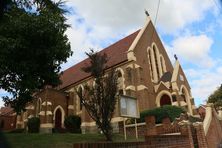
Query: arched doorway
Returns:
{"type": "Point", "coordinates": [165, 100]}
{"type": "Point", "coordinates": [58, 119]}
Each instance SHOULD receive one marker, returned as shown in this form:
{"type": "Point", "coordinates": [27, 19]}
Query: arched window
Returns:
{"type": "Point", "coordinates": [38, 106]}
{"type": "Point", "coordinates": [25, 115]}
{"type": "Point", "coordinates": [140, 74]}
{"type": "Point", "coordinates": [129, 75]}
{"type": "Point", "coordinates": [120, 92]}
{"type": "Point", "coordinates": [150, 63]}
{"type": "Point", "coordinates": [156, 61]}
{"type": "Point", "coordinates": [163, 65]}
{"type": "Point", "coordinates": [80, 90]}
{"type": "Point", "coordinates": [184, 93]}
{"type": "Point", "coordinates": [120, 74]}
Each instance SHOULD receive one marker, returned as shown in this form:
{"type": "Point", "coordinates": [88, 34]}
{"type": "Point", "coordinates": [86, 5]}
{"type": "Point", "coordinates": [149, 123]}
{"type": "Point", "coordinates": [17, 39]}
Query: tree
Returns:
{"type": "Point", "coordinates": [33, 46]}
{"type": "Point", "coordinates": [99, 100]}
{"type": "Point", "coordinates": [216, 97]}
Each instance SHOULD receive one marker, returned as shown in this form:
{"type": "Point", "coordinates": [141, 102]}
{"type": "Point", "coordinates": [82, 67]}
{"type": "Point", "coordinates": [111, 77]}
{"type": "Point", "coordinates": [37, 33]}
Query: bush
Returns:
{"type": "Point", "coordinates": [161, 112]}
{"type": "Point", "coordinates": [33, 125]}
{"type": "Point", "coordinates": [195, 119]}
{"type": "Point", "coordinates": [73, 123]}
{"type": "Point", "coordinates": [18, 130]}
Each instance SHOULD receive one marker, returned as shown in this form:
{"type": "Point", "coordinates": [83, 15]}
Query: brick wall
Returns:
{"type": "Point", "coordinates": [9, 122]}
{"type": "Point", "coordinates": [181, 133]}
{"type": "Point", "coordinates": [151, 142]}
{"type": "Point", "coordinates": [168, 141]}
{"type": "Point", "coordinates": [201, 140]}
{"type": "Point", "coordinates": [214, 134]}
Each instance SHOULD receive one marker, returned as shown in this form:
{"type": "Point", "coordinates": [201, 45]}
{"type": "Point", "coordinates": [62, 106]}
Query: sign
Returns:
{"type": "Point", "coordinates": [128, 107]}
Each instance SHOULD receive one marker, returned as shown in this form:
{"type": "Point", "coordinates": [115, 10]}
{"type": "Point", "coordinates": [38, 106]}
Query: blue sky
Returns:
{"type": "Point", "coordinates": [192, 29]}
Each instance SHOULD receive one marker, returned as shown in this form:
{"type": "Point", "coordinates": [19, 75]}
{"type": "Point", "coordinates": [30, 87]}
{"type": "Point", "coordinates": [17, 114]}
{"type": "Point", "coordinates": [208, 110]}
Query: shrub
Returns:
{"type": "Point", "coordinates": [18, 130]}
{"type": "Point", "coordinates": [33, 125]}
{"type": "Point", "coordinates": [73, 123]}
{"type": "Point", "coordinates": [161, 112]}
{"type": "Point", "coordinates": [195, 119]}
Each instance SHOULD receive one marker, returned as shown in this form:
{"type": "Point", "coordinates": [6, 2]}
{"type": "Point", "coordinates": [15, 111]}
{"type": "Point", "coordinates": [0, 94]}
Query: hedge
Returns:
{"type": "Point", "coordinates": [161, 112]}
{"type": "Point", "coordinates": [18, 130]}
{"type": "Point", "coordinates": [73, 123]}
{"type": "Point", "coordinates": [33, 125]}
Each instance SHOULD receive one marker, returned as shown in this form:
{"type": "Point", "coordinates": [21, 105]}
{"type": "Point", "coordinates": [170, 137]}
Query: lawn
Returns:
{"type": "Point", "coordinates": [27, 140]}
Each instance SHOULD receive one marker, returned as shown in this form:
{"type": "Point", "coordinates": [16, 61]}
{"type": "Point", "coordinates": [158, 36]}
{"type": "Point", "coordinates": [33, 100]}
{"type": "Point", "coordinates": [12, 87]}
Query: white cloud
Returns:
{"type": "Point", "coordinates": [119, 15]}
{"type": "Point", "coordinates": [80, 42]}
{"type": "Point", "coordinates": [204, 82]}
{"type": "Point", "coordinates": [95, 23]}
{"type": "Point", "coordinates": [194, 49]}
{"type": "Point", "coordinates": [175, 15]}
{"type": "Point", "coordinates": [2, 93]}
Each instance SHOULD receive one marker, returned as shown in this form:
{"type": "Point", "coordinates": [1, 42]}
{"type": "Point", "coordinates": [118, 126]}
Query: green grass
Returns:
{"type": "Point", "coordinates": [27, 140]}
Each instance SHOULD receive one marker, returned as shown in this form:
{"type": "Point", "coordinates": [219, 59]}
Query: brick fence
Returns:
{"type": "Point", "coordinates": [213, 134]}
{"type": "Point", "coordinates": [180, 133]}
{"type": "Point", "coordinates": [161, 136]}
{"type": "Point", "coordinates": [169, 141]}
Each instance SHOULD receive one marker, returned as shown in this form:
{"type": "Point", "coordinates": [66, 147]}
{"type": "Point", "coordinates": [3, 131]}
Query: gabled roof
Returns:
{"type": "Point", "coordinates": [116, 53]}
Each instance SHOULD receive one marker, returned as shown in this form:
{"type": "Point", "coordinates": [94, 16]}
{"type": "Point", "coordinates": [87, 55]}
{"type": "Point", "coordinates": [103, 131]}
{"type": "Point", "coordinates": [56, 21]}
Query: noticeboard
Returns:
{"type": "Point", "coordinates": [128, 107]}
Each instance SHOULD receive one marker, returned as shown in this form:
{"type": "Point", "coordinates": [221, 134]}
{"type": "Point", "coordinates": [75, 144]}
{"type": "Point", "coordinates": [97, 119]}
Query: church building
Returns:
{"type": "Point", "coordinates": [145, 72]}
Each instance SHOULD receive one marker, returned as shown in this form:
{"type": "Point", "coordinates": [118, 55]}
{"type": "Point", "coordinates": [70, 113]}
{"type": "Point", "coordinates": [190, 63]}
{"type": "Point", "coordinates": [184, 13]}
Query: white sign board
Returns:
{"type": "Point", "coordinates": [128, 107]}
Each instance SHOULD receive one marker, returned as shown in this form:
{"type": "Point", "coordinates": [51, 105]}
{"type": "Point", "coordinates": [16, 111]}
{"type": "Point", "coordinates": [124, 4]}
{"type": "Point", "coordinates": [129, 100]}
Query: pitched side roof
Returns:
{"type": "Point", "coordinates": [116, 53]}
{"type": "Point", "coordinates": [6, 111]}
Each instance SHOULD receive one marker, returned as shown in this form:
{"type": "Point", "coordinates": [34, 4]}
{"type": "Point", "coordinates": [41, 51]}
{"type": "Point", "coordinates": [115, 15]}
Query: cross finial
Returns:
{"type": "Point", "coordinates": [147, 13]}
{"type": "Point", "coordinates": [175, 56]}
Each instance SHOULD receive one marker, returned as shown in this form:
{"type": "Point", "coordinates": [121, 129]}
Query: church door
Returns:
{"type": "Point", "coordinates": [165, 100]}
{"type": "Point", "coordinates": [58, 119]}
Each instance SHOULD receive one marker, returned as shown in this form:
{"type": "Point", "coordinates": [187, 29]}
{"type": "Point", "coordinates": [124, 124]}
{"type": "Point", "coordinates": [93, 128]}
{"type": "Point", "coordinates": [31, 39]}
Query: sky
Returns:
{"type": "Point", "coordinates": [191, 29]}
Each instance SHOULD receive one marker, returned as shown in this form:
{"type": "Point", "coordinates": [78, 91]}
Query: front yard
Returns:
{"type": "Point", "coordinates": [27, 140]}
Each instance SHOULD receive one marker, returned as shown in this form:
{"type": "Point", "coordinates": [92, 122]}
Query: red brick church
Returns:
{"type": "Point", "coordinates": [145, 72]}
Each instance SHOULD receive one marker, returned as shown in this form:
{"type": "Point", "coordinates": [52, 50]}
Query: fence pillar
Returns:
{"type": "Point", "coordinates": [201, 138]}
{"type": "Point", "coordinates": [150, 125]}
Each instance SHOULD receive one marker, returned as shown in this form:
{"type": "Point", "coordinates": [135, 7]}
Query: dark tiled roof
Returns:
{"type": "Point", "coordinates": [6, 111]}
{"type": "Point", "coordinates": [116, 54]}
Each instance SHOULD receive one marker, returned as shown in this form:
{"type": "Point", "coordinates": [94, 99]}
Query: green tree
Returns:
{"type": "Point", "coordinates": [216, 97]}
{"type": "Point", "coordinates": [33, 46]}
{"type": "Point", "coordinates": [99, 100]}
